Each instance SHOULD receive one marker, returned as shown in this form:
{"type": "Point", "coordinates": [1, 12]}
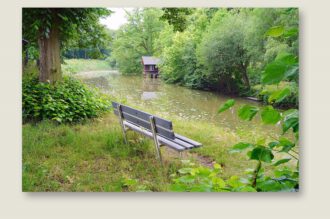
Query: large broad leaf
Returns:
{"type": "Point", "coordinates": [274, 73]}
{"type": "Point", "coordinates": [273, 144]}
{"type": "Point", "coordinates": [279, 95]}
{"type": "Point", "coordinates": [290, 123]}
{"type": "Point", "coordinates": [293, 70]}
{"type": "Point", "coordinates": [275, 31]}
{"type": "Point", "coordinates": [240, 146]}
{"type": "Point", "coordinates": [229, 103]}
{"type": "Point", "coordinates": [269, 115]}
{"type": "Point", "coordinates": [282, 161]}
{"type": "Point", "coordinates": [283, 66]}
{"type": "Point", "coordinates": [291, 32]}
{"type": "Point", "coordinates": [247, 112]}
{"type": "Point", "coordinates": [262, 153]}
{"type": "Point", "coordinates": [286, 144]}
{"type": "Point", "coordinates": [291, 120]}
{"type": "Point", "coordinates": [287, 58]}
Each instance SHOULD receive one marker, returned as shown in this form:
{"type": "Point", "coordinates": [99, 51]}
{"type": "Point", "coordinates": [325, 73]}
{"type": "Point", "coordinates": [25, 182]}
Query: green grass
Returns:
{"type": "Point", "coordinates": [93, 157]}
{"type": "Point", "coordinates": [90, 157]}
{"type": "Point", "coordinates": [72, 66]}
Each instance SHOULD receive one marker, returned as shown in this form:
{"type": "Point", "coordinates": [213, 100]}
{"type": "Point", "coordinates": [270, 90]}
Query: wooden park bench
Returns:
{"type": "Point", "coordinates": [160, 130]}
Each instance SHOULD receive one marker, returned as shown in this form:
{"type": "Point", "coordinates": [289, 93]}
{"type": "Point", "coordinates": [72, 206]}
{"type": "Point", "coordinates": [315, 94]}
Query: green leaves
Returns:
{"type": "Point", "coordinates": [67, 101]}
{"type": "Point", "coordinates": [286, 144]}
{"type": "Point", "coordinates": [285, 65]}
{"type": "Point", "coordinates": [199, 179]}
{"type": "Point", "coordinates": [240, 146]}
{"type": "Point", "coordinates": [274, 73]}
{"type": "Point", "coordinates": [275, 31]}
{"type": "Point", "coordinates": [262, 153]}
{"type": "Point", "coordinates": [293, 32]}
{"type": "Point", "coordinates": [269, 115]}
{"type": "Point", "coordinates": [291, 120]}
{"type": "Point", "coordinates": [273, 144]}
{"type": "Point", "coordinates": [290, 123]}
{"type": "Point", "coordinates": [279, 95]}
{"type": "Point", "coordinates": [247, 112]}
{"type": "Point", "coordinates": [282, 161]}
{"type": "Point", "coordinates": [229, 103]}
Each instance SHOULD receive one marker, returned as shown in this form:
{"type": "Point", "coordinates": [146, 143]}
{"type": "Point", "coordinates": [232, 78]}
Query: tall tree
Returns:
{"type": "Point", "coordinates": [51, 28]}
{"type": "Point", "coordinates": [223, 52]}
{"type": "Point", "coordinates": [136, 38]}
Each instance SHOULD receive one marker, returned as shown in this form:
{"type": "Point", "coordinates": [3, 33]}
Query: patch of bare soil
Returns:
{"type": "Point", "coordinates": [168, 153]}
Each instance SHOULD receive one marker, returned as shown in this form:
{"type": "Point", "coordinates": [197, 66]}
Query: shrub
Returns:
{"type": "Point", "coordinates": [67, 101]}
{"type": "Point", "coordinates": [204, 179]}
{"type": "Point", "coordinates": [264, 93]}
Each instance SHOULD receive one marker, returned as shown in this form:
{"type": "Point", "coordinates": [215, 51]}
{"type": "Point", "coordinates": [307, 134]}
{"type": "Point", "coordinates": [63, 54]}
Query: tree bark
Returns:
{"type": "Point", "coordinates": [49, 47]}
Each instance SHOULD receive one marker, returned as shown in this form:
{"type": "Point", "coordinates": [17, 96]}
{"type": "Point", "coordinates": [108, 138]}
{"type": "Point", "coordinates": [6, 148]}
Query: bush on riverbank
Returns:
{"type": "Point", "coordinates": [67, 101]}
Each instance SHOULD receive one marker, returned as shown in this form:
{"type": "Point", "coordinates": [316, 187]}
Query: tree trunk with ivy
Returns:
{"type": "Point", "coordinates": [50, 61]}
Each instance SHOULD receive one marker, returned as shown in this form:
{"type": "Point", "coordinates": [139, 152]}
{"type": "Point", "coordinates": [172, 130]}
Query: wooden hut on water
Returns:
{"type": "Point", "coordinates": [150, 66]}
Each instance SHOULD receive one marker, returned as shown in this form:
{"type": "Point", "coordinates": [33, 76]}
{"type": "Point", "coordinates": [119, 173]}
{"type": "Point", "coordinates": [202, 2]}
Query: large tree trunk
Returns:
{"type": "Point", "coordinates": [50, 62]}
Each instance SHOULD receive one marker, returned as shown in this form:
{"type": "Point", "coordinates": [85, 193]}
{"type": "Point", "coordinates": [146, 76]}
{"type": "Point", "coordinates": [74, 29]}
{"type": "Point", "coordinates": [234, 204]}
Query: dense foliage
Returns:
{"type": "Point", "coordinates": [219, 49]}
{"type": "Point", "coordinates": [78, 26]}
{"type": "Point", "coordinates": [136, 38]}
{"type": "Point", "coordinates": [275, 152]}
{"type": "Point", "coordinates": [52, 29]}
{"type": "Point", "coordinates": [67, 101]}
{"type": "Point", "coordinates": [177, 17]}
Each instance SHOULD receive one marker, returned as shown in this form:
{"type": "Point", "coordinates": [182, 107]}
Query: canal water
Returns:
{"type": "Point", "coordinates": [175, 102]}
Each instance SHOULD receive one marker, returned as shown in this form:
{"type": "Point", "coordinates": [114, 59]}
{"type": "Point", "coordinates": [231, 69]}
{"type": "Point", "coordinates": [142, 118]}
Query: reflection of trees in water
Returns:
{"type": "Point", "coordinates": [100, 82]}
{"type": "Point", "coordinates": [150, 84]}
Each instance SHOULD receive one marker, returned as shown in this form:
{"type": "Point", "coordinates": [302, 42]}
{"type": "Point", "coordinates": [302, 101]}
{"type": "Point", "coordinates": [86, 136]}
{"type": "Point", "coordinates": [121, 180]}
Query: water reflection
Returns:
{"type": "Point", "coordinates": [172, 101]}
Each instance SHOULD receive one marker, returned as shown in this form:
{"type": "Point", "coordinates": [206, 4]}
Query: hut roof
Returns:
{"type": "Point", "coordinates": [150, 60]}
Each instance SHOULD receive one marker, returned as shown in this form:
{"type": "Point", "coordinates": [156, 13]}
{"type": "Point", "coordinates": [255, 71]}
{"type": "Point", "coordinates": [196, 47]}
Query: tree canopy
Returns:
{"type": "Point", "coordinates": [53, 28]}
{"type": "Point", "coordinates": [136, 38]}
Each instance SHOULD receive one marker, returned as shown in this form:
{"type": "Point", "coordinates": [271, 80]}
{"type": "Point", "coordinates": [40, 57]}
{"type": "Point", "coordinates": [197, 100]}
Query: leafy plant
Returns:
{"type": "Point", "coordinates": [67, 101]}
{"type": "Point", "coordinates": [269, 115]}
{"type": "Point", "coordinates": [229, 103]}
{"type": "Point", "coordinates": [203, 179]}
{"type": "Point", "coordinates": [247, 112]}
{"type": "Point", "coordinates": [284, 179]}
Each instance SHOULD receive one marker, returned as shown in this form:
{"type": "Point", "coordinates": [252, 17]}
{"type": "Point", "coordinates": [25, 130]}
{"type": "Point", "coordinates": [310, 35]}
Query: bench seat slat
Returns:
{"type": "Point", "coordinates": [162, 140]}
{"type": "Point", "coordinates": [183, 143]}
{"type": "Point", "coordinates": [195, 143]}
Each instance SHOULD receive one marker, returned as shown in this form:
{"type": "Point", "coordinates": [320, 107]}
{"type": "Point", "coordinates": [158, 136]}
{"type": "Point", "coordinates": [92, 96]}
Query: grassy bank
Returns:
{"type": "Point", "coordinates": [72, 66]}
{"type": "Point", "coordinates": [93, 157]}
{"type": "Point", "coordinates": [90, 157]}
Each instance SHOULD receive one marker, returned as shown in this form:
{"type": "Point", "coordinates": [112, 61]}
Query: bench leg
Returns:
{"type": "Point", "coordinates": [121, 122]}
{"type": "Point", "coordinates": [180, 154]}
{"type": "Point", "coordinates": [157, 145]}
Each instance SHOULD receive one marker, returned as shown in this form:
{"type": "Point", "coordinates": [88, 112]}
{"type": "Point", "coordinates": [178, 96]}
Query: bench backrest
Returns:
{"type": "Point", "coordinates": [140, 118]}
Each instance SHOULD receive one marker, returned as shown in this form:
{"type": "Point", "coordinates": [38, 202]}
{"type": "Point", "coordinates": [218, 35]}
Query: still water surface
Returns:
{"type": "Point", "coordinates": [175, 102]}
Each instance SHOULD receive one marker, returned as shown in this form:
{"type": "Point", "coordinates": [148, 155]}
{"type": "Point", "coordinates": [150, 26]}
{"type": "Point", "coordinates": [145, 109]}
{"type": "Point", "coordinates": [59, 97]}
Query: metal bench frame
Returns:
{"type": "Point", "coordinates": [162, 137]}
